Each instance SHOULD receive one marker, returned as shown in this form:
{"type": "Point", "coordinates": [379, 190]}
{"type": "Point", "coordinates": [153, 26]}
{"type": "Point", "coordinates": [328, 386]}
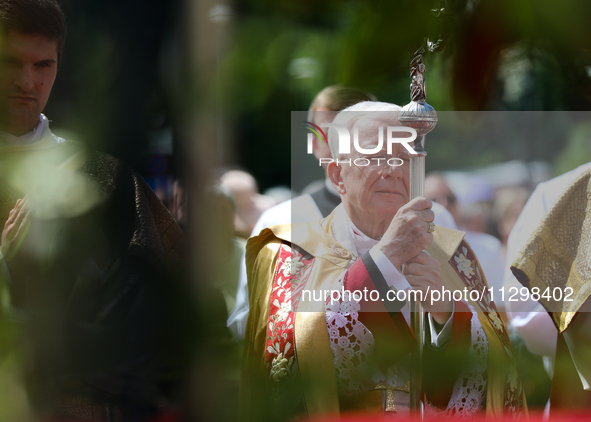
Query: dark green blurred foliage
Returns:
{"type": "Point", "coordinates": [110, 88]}
{"type": "Point", "coordinates": [501, 55]}
{"type": "Point", "coordinates": [536, 381]}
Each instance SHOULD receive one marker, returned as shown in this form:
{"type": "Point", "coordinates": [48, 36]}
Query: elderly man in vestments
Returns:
{"type": "Point", "coordinates": [555, 264]}
{"type": "Point", "coordinates": [344, 353]}
{"type": "Point", "coordinates": [86, 246]}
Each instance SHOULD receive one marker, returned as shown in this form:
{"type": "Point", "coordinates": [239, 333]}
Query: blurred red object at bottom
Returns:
{"type": "Point", "coordinates": [536, 416]}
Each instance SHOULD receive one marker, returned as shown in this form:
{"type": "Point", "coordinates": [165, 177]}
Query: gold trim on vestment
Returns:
{"type": "Point", "coordinates": [444, 245]}
{"type": "Point", "coordinates": [558, 253]}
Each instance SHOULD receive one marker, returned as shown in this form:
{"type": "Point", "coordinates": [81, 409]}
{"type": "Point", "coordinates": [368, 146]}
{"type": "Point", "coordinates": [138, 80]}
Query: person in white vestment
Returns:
{"type": "Point", "coordinates": [380, 241]}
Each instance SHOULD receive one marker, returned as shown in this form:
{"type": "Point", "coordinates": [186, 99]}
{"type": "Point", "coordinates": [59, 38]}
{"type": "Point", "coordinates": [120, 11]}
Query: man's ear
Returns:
{"type": "Point", "coordinates": [334, 174]}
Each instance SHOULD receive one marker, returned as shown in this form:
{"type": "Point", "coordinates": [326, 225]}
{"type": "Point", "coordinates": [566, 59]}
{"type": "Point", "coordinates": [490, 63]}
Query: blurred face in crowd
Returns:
{"type": "Point", "coordinates": [28, 67]}
{"type": "Point", "coordinates": [437, 190]}
{"type": "Point", "coordinates": [377, 190]}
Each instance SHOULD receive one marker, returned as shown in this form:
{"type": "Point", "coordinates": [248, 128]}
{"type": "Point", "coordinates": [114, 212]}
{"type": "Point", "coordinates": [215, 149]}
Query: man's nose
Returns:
{"type": "Point", "coordinates": [392, 171]}
{"type": "Point", "coordinates": [24, 79]}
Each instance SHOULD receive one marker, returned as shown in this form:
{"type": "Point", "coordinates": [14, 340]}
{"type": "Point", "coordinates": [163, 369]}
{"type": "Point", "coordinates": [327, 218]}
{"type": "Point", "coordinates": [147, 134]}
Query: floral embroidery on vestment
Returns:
{"type": "Point", "coordinates": [464, 263]}
{"type": "Point", "coordinates": [289, 277]}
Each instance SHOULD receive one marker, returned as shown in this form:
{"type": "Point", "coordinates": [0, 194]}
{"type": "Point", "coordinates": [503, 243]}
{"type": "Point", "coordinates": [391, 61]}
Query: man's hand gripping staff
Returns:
{"type": "Point", "coordinates": [404, 244]}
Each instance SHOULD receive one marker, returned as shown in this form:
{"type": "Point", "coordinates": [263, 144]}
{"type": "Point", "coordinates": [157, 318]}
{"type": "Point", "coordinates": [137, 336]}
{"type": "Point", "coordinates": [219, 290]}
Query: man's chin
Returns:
{"type": "Point", "coordinates": [389, 208]}
{"type": "Point", "coordinates": [392, 199]}
{"type": "Point", "coordinates": [18, 123]}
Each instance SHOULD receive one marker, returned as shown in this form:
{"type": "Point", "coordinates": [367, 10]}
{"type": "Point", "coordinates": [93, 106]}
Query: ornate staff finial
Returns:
{"type": "Point", "coordinates": [418, 114]}
{"type": "Point", "coordinates": [418, 87]}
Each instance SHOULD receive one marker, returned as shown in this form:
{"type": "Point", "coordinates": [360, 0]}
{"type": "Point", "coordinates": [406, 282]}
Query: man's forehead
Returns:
{"type": "Point", "coordinates": [368, 127]}
{"type": "Point", "coordinates": [367, 123]}
{"type": "Point", "coordinates": [19, 43]}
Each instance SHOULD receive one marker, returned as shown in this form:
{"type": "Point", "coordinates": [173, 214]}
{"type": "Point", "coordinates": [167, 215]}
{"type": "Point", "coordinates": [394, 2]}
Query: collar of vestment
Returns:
{"type": "Point", "coordinates": [347, 234]}
{"type": "Point", "coordinates": [39, 138]}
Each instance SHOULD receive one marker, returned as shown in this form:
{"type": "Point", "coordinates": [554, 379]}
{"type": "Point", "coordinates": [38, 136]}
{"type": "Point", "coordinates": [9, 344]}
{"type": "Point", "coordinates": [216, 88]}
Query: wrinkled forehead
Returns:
{"type": "Point", "coordinates": [368, 124]}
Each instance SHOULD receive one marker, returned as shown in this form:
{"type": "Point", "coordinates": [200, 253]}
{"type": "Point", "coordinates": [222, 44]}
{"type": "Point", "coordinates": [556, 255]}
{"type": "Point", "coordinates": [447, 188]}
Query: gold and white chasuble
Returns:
{"type": "Point", "coordinates": [325, 357]}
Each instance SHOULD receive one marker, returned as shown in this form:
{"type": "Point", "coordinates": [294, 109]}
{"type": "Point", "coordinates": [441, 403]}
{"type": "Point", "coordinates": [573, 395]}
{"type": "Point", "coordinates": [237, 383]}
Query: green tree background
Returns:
{"type": "Point", "coordinates": [501, 56]}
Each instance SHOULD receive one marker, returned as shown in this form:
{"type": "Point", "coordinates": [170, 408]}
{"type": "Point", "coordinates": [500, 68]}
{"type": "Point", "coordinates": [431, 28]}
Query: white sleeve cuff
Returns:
{"type": "Point", "coordinates": [391, 274]}
{"type": "Point", "coordinates": [441, 339]}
